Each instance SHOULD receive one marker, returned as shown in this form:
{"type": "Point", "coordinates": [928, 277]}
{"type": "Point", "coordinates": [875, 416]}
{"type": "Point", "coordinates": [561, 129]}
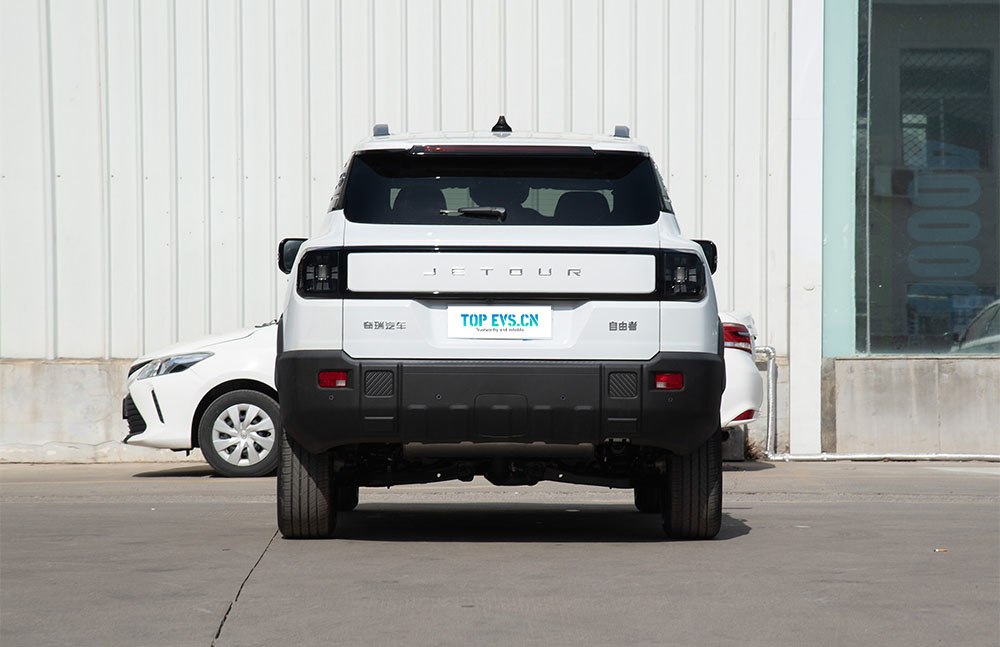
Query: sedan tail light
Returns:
{"type": "Point", "coordinates": [736, 335]}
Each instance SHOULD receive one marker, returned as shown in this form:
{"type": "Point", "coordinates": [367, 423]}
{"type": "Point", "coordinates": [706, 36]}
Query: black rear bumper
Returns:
{"type": "Point", "coordinates": [508, 403]}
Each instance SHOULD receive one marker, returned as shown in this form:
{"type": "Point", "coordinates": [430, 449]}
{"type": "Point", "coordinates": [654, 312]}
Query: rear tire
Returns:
{"type": "Point", "coordinates": [304, 493]}
{"type": "Point", "coordinates": [648, 499]}
{"type": "Point", "coordinates": [347, 497]}
{"type": "Point", "coordinates": [692, 500]}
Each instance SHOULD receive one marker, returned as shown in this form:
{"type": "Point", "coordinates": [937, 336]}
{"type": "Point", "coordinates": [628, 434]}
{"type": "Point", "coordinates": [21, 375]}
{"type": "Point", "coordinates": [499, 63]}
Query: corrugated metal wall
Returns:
{"type": "Point", "coordinates": [152, 153]}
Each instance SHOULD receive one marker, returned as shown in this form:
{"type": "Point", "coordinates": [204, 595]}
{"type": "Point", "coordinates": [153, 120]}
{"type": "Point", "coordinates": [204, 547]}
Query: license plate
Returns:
{"type": "Point", "coordinates": [500, 322]}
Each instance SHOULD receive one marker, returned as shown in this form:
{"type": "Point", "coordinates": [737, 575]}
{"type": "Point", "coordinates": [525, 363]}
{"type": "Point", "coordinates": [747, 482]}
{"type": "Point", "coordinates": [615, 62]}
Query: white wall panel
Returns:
{"type": "Point", "coordinates": [650, 47]}
{"type": "Point", "coordinates": [717, 149]}
{"type": "Point", "coordinates": [77, 102]}
{"type": "Point", "coordinates": [258, 149]}
{"type": "Point", "coordinates": [291, 134]}
{"type": "Point", "coordinates": [554, 77]}
{"type": "Point", "coordinates": [24, 172]}
{"type": "Point", "coordinates": [587, 91]}
{"type": "Point", "coordinates": [488, 96]}
{"type": "Point", "coordinates": [456, 66]}
{"type": "Point", "coordinates": [191, 155]}
{"type": "Point", "coordinates": [324, 135]}
{"type": "Point", "coordinates": [748, 173]}
{"type": "Point", "coordinates": [225, 166]}
{"type": "Point", "coordinates": [124, 195]}
{"type": "Point", "coordinates": [422, 66]}
{"type": "Point", "coordinates": [519, 46]}
{"type": "Point", "coordinates": [158, 137]}
{"type": "Point", "coordinates": [618, 99]}
{"type": "Point", "coordinates": [682, 166]}
{"type": "Point", "coordinates": [774, 246]}
{"type": "Point", "coordinates": [154, 152]}
{"type": "Point", "coordinates": [389, 63]}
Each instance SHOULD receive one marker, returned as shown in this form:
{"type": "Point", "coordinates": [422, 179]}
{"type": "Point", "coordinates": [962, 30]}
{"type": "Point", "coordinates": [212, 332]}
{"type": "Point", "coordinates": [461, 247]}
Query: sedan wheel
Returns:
{"type": "Point", "coordinates": [239, 434]}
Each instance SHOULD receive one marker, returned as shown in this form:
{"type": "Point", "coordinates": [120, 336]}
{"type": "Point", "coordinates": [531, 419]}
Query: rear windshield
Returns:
{"type": "Point", "coordinates": [577, 187]}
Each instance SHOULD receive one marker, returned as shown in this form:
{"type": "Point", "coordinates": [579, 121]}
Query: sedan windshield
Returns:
{"type": "Point", "coordinates": [498, 186]}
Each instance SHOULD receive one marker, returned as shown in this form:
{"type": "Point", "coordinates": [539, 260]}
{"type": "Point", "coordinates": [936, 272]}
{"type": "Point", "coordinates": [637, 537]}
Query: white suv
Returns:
{"type": "Point", "coordinates": [522, 307]}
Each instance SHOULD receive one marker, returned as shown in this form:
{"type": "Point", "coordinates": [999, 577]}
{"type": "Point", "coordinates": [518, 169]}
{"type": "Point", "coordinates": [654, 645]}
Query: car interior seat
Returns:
{"type": "Point", "coordinates": [573, 204]}
{"type": "Point", "coordinates": [510, 196]}
{"type": "Point", "coordinates": [417, 203]}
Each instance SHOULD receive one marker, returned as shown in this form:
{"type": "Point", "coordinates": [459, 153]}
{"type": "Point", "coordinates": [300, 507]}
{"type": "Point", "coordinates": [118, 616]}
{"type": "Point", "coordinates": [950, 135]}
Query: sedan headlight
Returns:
{"type": "Point", "coordinates": [172, 364]}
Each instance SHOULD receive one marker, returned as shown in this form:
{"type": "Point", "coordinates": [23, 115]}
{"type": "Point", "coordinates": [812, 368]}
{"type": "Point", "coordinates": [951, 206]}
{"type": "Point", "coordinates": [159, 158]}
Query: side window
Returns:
{"type": "Point", "coordinates": [337, 201]}
{"type": "Point", "coordinates": [664, 198]}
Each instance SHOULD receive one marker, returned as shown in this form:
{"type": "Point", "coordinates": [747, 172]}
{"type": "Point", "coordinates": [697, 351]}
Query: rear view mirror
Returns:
{"type": "Point", "coordinates": [288, 249]}
{"type": "Point", "coordinates": [711, 254]}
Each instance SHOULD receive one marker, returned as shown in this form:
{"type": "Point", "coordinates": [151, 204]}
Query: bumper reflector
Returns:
{"type": "Point", "coordinates": [746, 415]}
{"type": "Point", "coordinates": [668, 381]}
{"type": "Point", "coordinates": [333, 379]}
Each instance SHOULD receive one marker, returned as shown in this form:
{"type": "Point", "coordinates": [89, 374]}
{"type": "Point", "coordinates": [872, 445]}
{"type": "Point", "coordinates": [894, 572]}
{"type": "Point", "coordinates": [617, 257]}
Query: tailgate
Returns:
{"type": "Point", "coordinates": [501, 304]}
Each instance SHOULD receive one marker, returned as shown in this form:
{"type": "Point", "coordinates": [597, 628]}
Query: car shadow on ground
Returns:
{"type": "Point", "coordinates": [205, 470]}
{"type": "Point", "coordinates": [747, 466]}
{"type": "Point", "coordinates": [510, 522]}
{"type": "Point", "coordinates": [187, 470]}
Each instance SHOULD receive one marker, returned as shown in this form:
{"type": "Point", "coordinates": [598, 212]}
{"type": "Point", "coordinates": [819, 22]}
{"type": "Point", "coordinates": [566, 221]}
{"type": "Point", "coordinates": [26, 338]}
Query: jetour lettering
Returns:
{"type": "Point", "coordinates": [512, 271]}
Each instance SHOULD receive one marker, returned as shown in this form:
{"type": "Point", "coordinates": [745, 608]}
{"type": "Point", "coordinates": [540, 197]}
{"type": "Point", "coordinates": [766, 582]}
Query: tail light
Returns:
{"type": "Point", "coordinates": [333, 379]}
{"type": "Point", "coordinates": [683, 277]}
{"type": "Point", "coordinates": [735, 335]}
{"type": "Point", "coordinates": [320, 275]}
{"type": "Point", "coordinates": [668, 381]}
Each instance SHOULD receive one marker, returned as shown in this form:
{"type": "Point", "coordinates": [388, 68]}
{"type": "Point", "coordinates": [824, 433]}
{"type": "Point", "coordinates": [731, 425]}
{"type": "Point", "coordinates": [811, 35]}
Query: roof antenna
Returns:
{"type": "Point", "coordinates": [380, 130]}
{"type": "Point", "coordinates": [501, 128]}
{"type": "Point", "coordinates": [621, 131]}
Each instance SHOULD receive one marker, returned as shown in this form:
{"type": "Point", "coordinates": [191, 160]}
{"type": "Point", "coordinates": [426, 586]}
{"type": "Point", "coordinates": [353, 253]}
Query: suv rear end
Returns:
{"type": "Point", "coordinates": [519, 308]}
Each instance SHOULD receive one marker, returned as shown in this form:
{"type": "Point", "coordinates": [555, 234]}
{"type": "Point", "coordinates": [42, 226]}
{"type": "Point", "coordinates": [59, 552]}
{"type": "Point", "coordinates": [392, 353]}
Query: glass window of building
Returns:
{"type": "Point", "coordinates": [927, 219]}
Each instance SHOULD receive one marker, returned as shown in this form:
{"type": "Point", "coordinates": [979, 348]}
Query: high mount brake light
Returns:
{"type": "Point", "coordinates": [736, 335]}
{"type": "Point", "coordinates": [585, 151]}
{"type": "Point", "coordinates": [319, 274]}
{"type": "Point", "coordinates": [683, 276]}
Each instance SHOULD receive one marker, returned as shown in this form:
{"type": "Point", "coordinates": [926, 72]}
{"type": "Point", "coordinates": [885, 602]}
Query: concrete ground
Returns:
{"type": "Point", "coordinates": [809, 553]}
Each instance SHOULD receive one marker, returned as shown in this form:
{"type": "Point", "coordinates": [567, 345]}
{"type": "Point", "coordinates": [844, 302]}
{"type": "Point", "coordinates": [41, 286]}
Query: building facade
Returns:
{"type": "Point", "coordinates": [841, 154]}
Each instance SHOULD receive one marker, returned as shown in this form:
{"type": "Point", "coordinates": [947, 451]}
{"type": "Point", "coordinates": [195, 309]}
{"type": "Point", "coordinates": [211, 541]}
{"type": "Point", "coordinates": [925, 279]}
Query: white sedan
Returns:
{"type": "Point", "coordinates": [218, 394]}
{"type": "Point", "coordinates": [982, 335]}
{"type": "Point", "coordinates": [744, 389]}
